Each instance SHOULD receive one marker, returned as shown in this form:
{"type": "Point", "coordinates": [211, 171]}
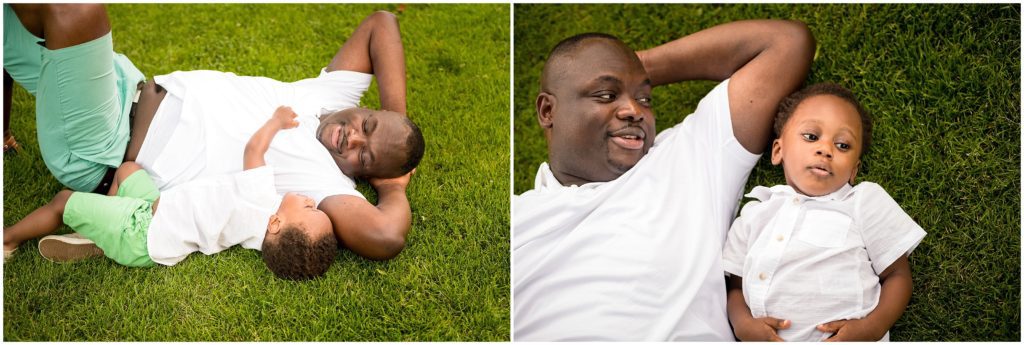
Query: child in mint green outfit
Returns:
{"type": "Point", "coordinates": [206, 215]}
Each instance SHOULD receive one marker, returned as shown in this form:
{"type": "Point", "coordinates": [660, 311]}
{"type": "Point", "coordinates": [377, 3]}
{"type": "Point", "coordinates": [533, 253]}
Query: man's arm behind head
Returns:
{"type": "Point", "coordinates": [766, 60]}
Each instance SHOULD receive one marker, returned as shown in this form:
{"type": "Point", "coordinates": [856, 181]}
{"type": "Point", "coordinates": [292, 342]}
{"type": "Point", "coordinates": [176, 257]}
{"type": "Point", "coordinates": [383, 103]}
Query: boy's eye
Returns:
{"type": "Point", "coordinates": [843, 146]}
{"type": "Point", "coordinates": [606, 96]}
{"type": "Point", "coordinates": [644, 101]}
{"type": "Point", "coordinates": [810, 137]}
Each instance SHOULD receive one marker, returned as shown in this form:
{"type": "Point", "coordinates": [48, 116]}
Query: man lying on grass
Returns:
{"type": "Point", "coordinates": [187, 125]}
{"type": "Point", "coordinates": [206, 215]}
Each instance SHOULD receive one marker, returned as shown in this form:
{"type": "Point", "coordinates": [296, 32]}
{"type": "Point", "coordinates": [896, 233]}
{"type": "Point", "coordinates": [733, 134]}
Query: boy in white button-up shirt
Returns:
{"type": "Point", "coordinates": [817, 258]}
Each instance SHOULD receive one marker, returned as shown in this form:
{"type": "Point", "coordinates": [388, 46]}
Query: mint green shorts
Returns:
{"type": "Point", "coordinates": [83, 97]}
{"type": "Point", "coordinates": [118, 224]}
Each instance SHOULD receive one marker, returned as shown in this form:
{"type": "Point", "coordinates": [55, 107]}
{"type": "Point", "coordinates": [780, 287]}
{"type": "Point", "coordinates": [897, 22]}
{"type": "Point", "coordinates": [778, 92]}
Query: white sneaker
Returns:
{"type": "Point", "coordinates": [66, 248]}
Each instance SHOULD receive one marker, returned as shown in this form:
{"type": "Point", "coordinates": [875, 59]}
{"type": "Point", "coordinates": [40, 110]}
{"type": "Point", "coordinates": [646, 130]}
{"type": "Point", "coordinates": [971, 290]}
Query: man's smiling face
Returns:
{"type": "Point", "coordinates": [596, 112]}
{"type": "Point", "coordinates": [365, 143]}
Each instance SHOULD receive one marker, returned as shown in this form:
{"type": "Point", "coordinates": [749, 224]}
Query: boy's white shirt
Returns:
{"type": "Point", "coordinates": [817, 259]}
{"type": "Point", "coordinates": [212, 214]}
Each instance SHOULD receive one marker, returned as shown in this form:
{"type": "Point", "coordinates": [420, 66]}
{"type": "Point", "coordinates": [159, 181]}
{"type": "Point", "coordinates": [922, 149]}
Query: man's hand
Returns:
{"type": "Point", "coordinates": [396, 182]}
{"type": "Point", "coordinates": [761, 329]}
{"type": "Point", "coordinates": [852, 330]}
{"type": "Point", "coordinates": [284, 117]}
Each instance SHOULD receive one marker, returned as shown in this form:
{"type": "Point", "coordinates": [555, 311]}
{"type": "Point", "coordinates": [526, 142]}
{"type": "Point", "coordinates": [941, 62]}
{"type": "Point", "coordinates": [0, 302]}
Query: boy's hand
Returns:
{"type": "Point", "coordinates": [284, 117]}
{"type": "Point", "coordinates": [761, 329]}
{"type": "Point", "coordinates": [395, 182]}
{"type": "Point", "coordinates": [851, 330]}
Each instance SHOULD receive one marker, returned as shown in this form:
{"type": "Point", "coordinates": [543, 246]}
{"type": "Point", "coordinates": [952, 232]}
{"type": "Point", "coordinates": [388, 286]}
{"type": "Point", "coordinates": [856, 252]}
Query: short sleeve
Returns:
{"type": "Point", "coordinates": [705, 142]}
{"type": "Point", "coordinates": [256, 183]}
{"type": "Point", "coordinates": [887, 230]}
{"type": "Point", "coordinates": [737, 242]}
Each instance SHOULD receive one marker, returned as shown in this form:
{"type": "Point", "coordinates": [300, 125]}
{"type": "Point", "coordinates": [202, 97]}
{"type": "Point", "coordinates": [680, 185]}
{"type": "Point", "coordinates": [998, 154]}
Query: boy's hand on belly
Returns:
{"type": "Point", "coordinates": [852, 330]}
{"type": "Point", "coordinates": [761, 329]}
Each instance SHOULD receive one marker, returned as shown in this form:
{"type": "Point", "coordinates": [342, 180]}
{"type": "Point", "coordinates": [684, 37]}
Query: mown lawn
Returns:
{"type": "Point", "coordinates": [942, 82]}
{"type": "Point", "coordinates": [450, 283]}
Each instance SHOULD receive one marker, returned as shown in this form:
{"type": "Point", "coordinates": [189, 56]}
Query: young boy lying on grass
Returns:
{"type": "Point", "coordinates": [206, 215]}
{"type": "Point", "coordinates": [817, 258]}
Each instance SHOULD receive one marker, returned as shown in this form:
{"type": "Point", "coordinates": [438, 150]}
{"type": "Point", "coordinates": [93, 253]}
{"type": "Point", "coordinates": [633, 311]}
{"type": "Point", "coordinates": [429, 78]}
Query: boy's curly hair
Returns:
{"type": "Point", "coordinates": [789, 104]}
{"type": "Point", "coordinates": [295, 256]}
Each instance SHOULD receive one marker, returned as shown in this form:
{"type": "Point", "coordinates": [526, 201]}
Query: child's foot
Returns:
{"type": "Point", "coordinates": [65, 248]}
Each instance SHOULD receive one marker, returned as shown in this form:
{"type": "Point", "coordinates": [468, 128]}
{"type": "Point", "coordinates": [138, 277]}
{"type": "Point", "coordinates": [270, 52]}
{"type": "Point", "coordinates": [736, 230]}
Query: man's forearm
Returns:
{"type": "Point", "coordinates": [373, 232]}
{"type": "Point", "coordinates": [394, 205]}
{"type": "Point", "coordinates": [717, 52]}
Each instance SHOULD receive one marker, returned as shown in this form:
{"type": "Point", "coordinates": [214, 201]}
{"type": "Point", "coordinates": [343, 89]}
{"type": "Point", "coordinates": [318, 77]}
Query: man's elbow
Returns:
{"type": "Point", "coordinates": [799, 37]}
{"type": "Point", "coordinates": [389, 246]}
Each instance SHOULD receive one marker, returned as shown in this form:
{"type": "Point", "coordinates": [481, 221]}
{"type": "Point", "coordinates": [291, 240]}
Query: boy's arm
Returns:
{"type": "Point", "coordinates": [744, 325]}
{"type": "Point", "coordinates": [765, 59]}
{"type": "Point", "coordinates": [258, 144]}
{"type": "Point", "coordinates": [896, 288]}
{"type": "Point", "coordinates": [374, 232]}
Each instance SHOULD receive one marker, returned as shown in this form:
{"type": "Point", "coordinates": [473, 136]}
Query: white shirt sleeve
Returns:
{"type": "Point", "coordinates": [737, 243]}
{"type": "Point", "coordinates": [888, 231]}
{"type": "Point", "coordinates": [725, 162]}
{"type": "Point", "coordinates": [256, 182]}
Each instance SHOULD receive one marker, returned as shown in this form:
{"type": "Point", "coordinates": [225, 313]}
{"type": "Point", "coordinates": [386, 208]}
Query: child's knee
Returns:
{"type": "Point", "coordinates": [125, 170]}
{"type": "Point", "coordinates": [60, 199]}
{"type": "Point", "coordinates": [384, 18]}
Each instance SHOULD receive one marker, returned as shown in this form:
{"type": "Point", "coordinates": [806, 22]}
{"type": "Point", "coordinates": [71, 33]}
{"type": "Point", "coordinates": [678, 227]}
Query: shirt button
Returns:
{"type": "Point", "coordinates": [796, 201]}
{"type": "Point", "coordinates": [779, 238]}
{"type": "Point", "coordinates": [762, 276]}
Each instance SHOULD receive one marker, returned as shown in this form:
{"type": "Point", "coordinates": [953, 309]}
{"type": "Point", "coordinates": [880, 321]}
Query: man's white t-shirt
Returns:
{"type": "Point", "coordinates": [813, 260]}
{"type": "Point", "coordinates": [207, 117]}
{"type": "Point", "coordinates": [212, 214]}
{"type": "Point", "coordinates": [639, 257]}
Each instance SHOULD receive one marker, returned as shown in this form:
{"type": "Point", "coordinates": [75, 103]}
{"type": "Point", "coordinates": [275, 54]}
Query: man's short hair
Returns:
{"type": "Point", "coordinates": [295, 256]}
{"type": "Point", "coordinates": [570, 44]}
{"type": "Point", "coordinates": [565, 47]}
{"type": "Point", "coordinates": [790, 103]}
{"type": "Point", "coordinates": [414, 147]}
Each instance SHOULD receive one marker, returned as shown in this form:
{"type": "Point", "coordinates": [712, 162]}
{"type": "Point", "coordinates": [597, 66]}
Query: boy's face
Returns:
{"type": "Point", "coordinates": [365, 143]}
{"type": "Point", "coordinates": [820, 146]}
{"type": "Point", "coordinates": [301, 211]}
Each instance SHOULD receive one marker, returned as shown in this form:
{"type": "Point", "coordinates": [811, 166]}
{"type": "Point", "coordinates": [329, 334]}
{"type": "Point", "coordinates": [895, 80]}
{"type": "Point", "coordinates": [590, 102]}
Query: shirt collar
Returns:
{"type": "Point", "coordinates": [764, 193]}
{"type": "Point", "coordinates": [546, 180]}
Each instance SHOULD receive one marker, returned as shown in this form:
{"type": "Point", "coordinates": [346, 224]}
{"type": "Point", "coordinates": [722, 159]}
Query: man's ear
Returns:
{"type": "Point", "coordinates": [274, 225]}
{"type": "Point", "coordinates": [776, 152]}
{"type": "Point", "coordinates": [854, 175]}
{"type": "Point", "coordinates": [545, 109]}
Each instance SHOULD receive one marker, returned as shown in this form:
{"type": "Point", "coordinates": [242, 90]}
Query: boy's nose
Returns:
{"type": "Point", "coordinates": [824, 152]}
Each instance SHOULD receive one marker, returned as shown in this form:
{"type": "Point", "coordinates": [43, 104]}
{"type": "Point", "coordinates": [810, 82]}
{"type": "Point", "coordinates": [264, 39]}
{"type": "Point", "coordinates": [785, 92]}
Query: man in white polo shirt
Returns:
{"type": "Point", "coordinates": [621, 237]}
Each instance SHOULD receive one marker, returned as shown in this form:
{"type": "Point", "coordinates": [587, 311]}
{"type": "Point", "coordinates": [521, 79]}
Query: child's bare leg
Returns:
{"type": "Point", "coordinates": [376, 48]}
{"type": "Point", "coordinates": [41, 222]}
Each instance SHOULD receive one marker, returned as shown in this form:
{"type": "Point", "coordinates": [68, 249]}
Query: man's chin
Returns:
{"type": "Point", "coordinates": [621, 167]}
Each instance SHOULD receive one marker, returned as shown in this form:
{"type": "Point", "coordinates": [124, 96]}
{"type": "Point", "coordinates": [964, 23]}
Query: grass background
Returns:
{"type": "Point", "coordinates": [942, 82]}
{"type": "Point", "coordinates": [450, 283]}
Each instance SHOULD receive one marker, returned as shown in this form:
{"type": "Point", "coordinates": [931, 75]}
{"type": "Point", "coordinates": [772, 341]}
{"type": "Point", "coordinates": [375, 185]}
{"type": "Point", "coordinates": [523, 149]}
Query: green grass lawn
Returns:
{"type": "Point", "coordinates": [942, 82]}
{"type": "Point", "coordinates": [450, 283]}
